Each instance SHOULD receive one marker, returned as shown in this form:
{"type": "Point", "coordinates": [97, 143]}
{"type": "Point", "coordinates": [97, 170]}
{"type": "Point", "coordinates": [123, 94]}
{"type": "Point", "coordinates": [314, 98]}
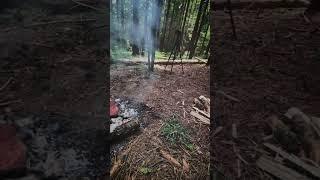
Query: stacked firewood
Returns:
{"type": "Point", "coordinates": [201, 109]}
{"type": "Point", "coordinates": [293, 148]}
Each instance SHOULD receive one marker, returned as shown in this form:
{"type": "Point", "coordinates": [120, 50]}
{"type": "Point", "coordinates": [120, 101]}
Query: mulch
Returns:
{"type": "Point", "coordinates": [273, 66]}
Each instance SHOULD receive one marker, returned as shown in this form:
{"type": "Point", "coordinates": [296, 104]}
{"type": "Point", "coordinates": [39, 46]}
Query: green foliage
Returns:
{"type": "Point", "coordinates": [161, 55]}
{"type": "Point", "coordinates": [120, 53]}
{"type": "Point", "coordinates": [145, 170]}
{"type": "Point", "coordinates": [175, 133]}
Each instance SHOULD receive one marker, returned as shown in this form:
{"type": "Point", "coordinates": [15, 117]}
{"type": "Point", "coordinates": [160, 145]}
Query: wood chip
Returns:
{"type": "Point", "coordinates": [278, 170]}
{"type": "Point", "coordinates": [315, 171]}
{"type": "Point", "coordinates": [186, 167]}
{"type": "Point", "coordinates": [203, 119]}
{"type": "Point", "coordinates": [169, 158]}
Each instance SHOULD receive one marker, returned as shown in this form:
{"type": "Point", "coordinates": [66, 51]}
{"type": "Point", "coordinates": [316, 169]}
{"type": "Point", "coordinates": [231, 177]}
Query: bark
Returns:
{"type": "Point", "coordinates": [165, 24]}
{"type": "Point", "coordinates": [135, 18]}
{"type": "Point", "coordinates": [195, 30]}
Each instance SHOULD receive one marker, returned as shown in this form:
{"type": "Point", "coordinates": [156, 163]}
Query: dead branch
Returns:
{"type": "Point", "coordinates": [6, 84]}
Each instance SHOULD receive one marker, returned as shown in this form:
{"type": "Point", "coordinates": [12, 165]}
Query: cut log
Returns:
{"type": "Point", "coordinates": [202, 112]}
{"type": "Point", "coordinates": [315, 171]}
{"type": "Point", "coordinates": [200, 117]}
{"type": "Point", "coordinates": [278, 170]}
{"type": "Point", "coordinates": [260, 4]}
{"type": "Point", "coordinates": [198, 104]}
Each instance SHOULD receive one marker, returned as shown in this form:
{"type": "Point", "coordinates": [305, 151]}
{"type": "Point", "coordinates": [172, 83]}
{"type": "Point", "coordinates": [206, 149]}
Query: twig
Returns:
{"type": "Point", "coordinates": [51, 22]}
{"type": "Point", "coordinates": [6, 84]}
{"type": "Point", "coordinates": [88, 6]}
{"type": "Point", "coordinates": [10, 102]}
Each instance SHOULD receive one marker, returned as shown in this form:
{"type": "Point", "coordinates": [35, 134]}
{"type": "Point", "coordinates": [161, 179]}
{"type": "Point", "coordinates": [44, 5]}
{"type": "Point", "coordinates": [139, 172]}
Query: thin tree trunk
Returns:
{"type": "Point", "coordinates": [171, 33]}
{"type": "Point", "coordinates": [135, 19]}
{"type": "Point", "coordinates": [195, 30]}
{"type": "Point", "coordinates": [205, 38]}
{"type": "Point", "coordinates": [165, 23]}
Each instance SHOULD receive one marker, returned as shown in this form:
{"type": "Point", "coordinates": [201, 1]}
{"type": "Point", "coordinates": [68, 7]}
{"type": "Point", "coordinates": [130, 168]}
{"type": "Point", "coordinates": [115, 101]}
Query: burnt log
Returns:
{"type": "Point", "coordinates": [124, 130]}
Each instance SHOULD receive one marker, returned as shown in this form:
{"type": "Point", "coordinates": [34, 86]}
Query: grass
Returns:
{"type": "Point", "coordinates": [175, 133]}
{"type": "Point", "coordinates": [161, 55]}
{"type": "Point", "coordinates": [120, 53]}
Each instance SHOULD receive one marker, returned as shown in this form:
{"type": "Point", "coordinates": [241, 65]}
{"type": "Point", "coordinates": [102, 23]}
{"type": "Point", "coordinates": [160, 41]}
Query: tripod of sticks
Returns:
{"type": "Point", "coordinates": [176, 51]}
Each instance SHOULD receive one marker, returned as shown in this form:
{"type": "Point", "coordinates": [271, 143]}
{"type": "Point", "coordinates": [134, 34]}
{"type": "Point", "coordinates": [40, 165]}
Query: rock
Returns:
{"type": "Point", "coordinates": [114, 110]}
{"type": "Point", "coordinates": [24, 122]}
{"type": "Point", "coordinates": [12, 151]}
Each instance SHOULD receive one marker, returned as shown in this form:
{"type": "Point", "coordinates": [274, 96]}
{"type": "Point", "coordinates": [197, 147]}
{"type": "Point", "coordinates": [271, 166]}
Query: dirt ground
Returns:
{"type": "Point", "coordinates": [51, 53]}
{"type": "Point", "coordinates": [273, 66]}
{"type": "Point", "coordinates": [164, 94]}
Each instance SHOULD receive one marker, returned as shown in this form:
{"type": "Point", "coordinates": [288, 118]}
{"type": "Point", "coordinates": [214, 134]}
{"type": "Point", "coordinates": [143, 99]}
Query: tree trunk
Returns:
{"type": "Point", "coordinates": [165, 24]}
{"type": "Point", "coordinates": [195, 30]}
{"type": "Point", "coordinates": [170, 33]}
{"type": "Point", "coordinates": [135, 26]}
{"type": "Point", "coordinates": [154, 29]}
{"type": "Point", "coordinates": [204, 38]}
{"type": "Point", "coordinates": [197, 34]}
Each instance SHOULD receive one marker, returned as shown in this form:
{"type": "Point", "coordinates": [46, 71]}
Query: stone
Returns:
{"type": "Point", "coordinates": [114, 110]}
{"type": "Point", "coordinates": [12, 152]}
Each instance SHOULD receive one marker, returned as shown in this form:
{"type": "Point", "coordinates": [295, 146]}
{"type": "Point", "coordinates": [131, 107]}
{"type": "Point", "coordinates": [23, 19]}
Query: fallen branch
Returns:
{"type": "Point", "coordinates": [6, 84]}
{"type": "Point", "coordinates": [278, 170]}
{"type": "Point", "coordinates": [168, 157]}
{"type": "Point", "coordinates": [295, 160]}
{"type": "Point", "coordinates": [200, 117]}
{"type": "Point", "coordinates": [10, 102]}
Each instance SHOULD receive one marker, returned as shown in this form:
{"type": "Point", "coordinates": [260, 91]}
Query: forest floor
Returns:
{"type": "Point", "coordinates": [165, 94]}
{"type": "Point", "coordinates": [50, 55]}
{"type": "Point", "coordinates": [274, 65]}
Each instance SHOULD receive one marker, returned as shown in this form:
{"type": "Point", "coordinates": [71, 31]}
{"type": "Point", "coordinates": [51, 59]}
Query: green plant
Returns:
{"type": "Point", "coordinates": [175, 133]}
{"type": "Point", "coordinates": [120, 53]}
{"type": "Point", "coordinates": [145, 170]}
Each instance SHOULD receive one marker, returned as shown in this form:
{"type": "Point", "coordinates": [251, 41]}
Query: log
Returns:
{"type": "Point", "coordinates": [202, 112]}
{"type": "Point", "coordinates": [315, 171]}
{"type": "Point", "coordinates": [200, 117]}
{"type": "Point", "coordinates": [260, 4]}
{"type": "Point", "coordinates": [125, 130]}
{"type": "Point", "coordinates": [278, 170]}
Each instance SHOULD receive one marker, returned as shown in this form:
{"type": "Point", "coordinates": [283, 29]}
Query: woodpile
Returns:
{"type": "Point", "coordinates": [201, 109]}
{"type": "Point", "coordinates": [298, 153]}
